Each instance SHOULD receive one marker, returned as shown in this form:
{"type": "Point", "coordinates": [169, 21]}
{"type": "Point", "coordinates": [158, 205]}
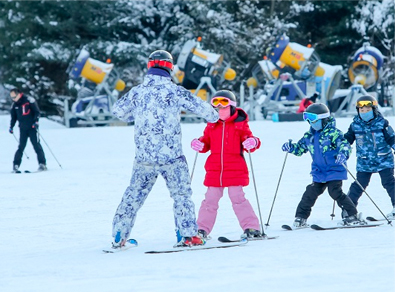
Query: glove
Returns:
{"type": "Point", "coordinates": [197, 145]}
{"type": "Point", "coordinates": [341, 158]}
{"type": "Point", "coordinates": [288, 147]}
{"type": "Point", "coordinates": [11, 130]}
{"type": "Point", "coordinates": [249, 143]}
{"type": "Point", "coordinates": [35, 125]}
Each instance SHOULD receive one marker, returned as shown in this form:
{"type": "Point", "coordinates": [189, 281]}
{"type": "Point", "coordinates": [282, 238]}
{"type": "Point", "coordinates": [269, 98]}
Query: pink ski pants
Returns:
{"type": "Point", "coordinates": [241, 206]}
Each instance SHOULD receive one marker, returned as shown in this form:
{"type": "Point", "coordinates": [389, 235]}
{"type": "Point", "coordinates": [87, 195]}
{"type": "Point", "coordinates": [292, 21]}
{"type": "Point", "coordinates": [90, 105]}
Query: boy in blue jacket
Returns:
{"type": "Point", "coordinates": [374, 139]}
{"type": "Point", "coordinates": [329, 151]}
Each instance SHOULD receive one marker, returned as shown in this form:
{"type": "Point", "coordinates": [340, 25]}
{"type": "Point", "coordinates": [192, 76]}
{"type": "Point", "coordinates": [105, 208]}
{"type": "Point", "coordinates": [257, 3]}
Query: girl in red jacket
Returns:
{"type": "Point", "coordinates": [227, 140]}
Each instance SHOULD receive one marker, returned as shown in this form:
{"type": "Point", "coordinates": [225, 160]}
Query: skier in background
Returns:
{"type": "Point", "coordinates": [155, 107]}
{"type": "Point", "coordinates": [329, 150]}
{"type": "Point", "coordinates": [374, 139]}
{"type": "Point", "coordinates": [25, 110]}
{"type": "Point", "coordinates": [305, 102]}
{"type": "Point", "coordinates": [227, 139]}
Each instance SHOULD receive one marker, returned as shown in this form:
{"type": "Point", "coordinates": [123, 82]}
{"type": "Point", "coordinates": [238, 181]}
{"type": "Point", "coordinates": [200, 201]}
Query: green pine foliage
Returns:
{"type": "Point", "coordinates": [39, 39]}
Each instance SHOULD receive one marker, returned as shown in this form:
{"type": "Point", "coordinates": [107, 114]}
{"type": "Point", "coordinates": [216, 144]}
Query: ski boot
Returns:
{"type": "Point", "coordinates": [300, 222]}
{"type": "Point", "coordinates": [42, 167]}
{"type": "Point", "coordinates": [391, 216]}
{"type": "Point", "coordinates": [118, 241]}
{"type": "Point", "coordinates": [250, 233]}
{"type": "Point", "coordinates": [190, 241]}
{"type": "Point", "coordinates": [15, 169]}
{"type": "Point", "coordinates": [203, 234]}
{"type": "Point", "coordinates": [353, 220]}
{"type": "Point", "coordinates": [344, 214]}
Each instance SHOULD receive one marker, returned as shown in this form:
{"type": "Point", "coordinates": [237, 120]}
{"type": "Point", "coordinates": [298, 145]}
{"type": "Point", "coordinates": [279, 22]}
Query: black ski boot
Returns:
{"type": "Point", "coordinates": [300, 222]}
{"type": "Point", "coordinates": [15, 169]}
{"type": "Point", "coordinates": [203, 233]}
{"type": "Point", "coordinates": [42, 167]}
{"type": "Point", "coordinates": [354, 220]}
{"type": "Point", "coordinates": [250, 233]}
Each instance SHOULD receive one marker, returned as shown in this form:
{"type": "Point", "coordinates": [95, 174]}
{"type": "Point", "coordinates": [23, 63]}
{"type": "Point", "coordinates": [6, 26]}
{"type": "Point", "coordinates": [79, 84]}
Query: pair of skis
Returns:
{"type": "Point", "coordinates": [318, 227]}
{"type": "Point", "coordinates": [27, 171]}
{"type": "Point", "coordinates": [225, 243]}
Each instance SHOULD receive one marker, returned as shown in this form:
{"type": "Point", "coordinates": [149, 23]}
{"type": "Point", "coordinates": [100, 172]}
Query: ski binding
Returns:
{"type": "Point", "coordinates": [129, 244]}
{"type": "Point", "coordinates": [199, 247]}
{"type": "Point", "coordinates": [317, 227]}
{"type": "Point", "coordinates": [287, 227]}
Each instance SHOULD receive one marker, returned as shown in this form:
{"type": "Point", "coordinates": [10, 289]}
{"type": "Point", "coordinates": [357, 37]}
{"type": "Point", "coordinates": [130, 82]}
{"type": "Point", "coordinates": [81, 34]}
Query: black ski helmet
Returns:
{"type": "Point", "coordinates": [319, 109]}
{"type": "Point", "coordinates": [370, 101]}
{"type": "Point", "coordinates": [161, 59]}
{"type": "Point", "coordinates": [228, 94]}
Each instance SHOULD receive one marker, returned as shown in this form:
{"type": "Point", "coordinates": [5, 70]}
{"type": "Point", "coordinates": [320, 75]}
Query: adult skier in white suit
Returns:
{"type": "Point", "coordinates": [155, 107]}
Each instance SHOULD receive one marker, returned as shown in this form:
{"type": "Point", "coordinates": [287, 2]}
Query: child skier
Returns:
{"type": "Point", "coordinates": [374, 139]}
{"type": "Point", "coordinates": [329, 150]}
{"type": "Point", "coordinates": [226, 166]}
{"type": "Point", "coordinates": [155, 107]}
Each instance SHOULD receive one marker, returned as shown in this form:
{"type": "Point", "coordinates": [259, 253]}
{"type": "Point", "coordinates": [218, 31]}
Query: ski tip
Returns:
{"type": "Point", "coordinates": [316, 227]}
{"type": "Point", "coordinates": [133, 242]}
{"type": "Point", "coordinates": [224, 239]}
{"type": "Point", "coordinates": [286, 227]}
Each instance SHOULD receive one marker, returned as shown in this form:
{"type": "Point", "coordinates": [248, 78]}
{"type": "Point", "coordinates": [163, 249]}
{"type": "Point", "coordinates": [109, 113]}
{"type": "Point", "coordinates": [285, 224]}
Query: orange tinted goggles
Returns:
{"type": "Point", "coordinates": [223, 101]}
{"type": "Point", "coordinates": [367, 103]}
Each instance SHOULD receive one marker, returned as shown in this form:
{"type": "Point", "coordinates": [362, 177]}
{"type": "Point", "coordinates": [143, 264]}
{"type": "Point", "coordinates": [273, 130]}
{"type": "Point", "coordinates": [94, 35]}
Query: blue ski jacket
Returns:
{"type": "Point", "coordinates": [324, 146]}
{"type": "Point", "coordinates": [374, 140]}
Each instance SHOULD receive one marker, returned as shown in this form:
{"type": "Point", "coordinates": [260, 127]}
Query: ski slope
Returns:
{"type": "Point", "coordinates": [54, 224]}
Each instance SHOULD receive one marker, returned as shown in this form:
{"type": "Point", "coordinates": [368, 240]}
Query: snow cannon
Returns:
{"type": "Point", "coordinates": [366, 67]}
{"type": "Point", "coordinates": [94, 71]}
{"type": "Point", "coordinates": [302, 60]}
{"type": "Point", "coordinates": [308, 74]}
{"type": "Point", "coordinates": [98, 86]}
{"type": "Point", "coordinates": [201, 71]}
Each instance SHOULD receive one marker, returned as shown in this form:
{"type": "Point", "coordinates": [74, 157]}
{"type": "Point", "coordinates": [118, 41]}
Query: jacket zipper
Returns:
{"type": "Point", "coordinates": [374, 140]}
{"type": "Point", "coordinates": [222, 154]}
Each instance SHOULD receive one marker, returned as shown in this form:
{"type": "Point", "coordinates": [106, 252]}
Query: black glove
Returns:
{"type": "Point", "coordinates": [35, 125]}
{"type": "Point", "coordinates": [11, 130]}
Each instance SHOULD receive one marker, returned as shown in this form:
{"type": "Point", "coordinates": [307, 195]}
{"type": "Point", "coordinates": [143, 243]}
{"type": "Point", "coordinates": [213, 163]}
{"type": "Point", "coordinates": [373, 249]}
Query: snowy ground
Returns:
{"type": "Point", "coordinates": [53, 225]}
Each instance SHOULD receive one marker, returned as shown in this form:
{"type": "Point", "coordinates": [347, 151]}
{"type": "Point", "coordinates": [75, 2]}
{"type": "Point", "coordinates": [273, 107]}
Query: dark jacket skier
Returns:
{"type": "Point", "coordinates": [25, 110]}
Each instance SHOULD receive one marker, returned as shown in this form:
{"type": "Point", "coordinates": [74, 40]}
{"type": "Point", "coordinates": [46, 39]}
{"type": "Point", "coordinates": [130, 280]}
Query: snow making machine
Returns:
{"type": "Point", "coordinates": [365, 74]}
{"type": "Point", "coordinates": [289, 73]}
{"type": "Point", "coordinates": [200, 71]}
{"type": "Point", "coordinates": [98, 85]}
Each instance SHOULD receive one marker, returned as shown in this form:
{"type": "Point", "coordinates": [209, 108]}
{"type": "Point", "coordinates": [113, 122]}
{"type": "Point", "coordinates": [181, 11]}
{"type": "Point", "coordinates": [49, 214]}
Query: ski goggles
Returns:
{"type": "Point", "coordinates": [223, 101]}
{"type": "Point", "coordinates": [312, 118]}
{"type": "Point", "coordinates": [367, 103]}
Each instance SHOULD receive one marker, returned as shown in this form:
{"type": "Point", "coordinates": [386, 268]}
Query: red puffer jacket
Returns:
{"type": "Point", "coordinates": [226, 165]}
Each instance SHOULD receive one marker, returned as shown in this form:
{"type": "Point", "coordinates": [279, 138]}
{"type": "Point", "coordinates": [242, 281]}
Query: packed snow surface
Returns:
{"type": "Point", "coordinates": [54, 224]}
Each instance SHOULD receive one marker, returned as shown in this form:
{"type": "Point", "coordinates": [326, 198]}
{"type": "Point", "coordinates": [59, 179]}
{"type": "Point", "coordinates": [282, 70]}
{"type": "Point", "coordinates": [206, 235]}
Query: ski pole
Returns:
{"type": "Point", "coordinates": [345, 166]}
{"type": "Point", "coordinates": [256, 193]}
{"type": "Point", "coordinates": [333, 209]}
{"type": "Point", "coordinates": [194, 164]}
{"type": "Point", "coordinates": [41, 136]}
{"type": "Point", "coordinates": [278, 184]}
{"type": "Point", "coordinates": [18, 144]}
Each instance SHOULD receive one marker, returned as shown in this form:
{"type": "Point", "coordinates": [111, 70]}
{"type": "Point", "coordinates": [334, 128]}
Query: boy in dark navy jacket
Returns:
{"type": "Point", "coordinates": [374, 139]}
